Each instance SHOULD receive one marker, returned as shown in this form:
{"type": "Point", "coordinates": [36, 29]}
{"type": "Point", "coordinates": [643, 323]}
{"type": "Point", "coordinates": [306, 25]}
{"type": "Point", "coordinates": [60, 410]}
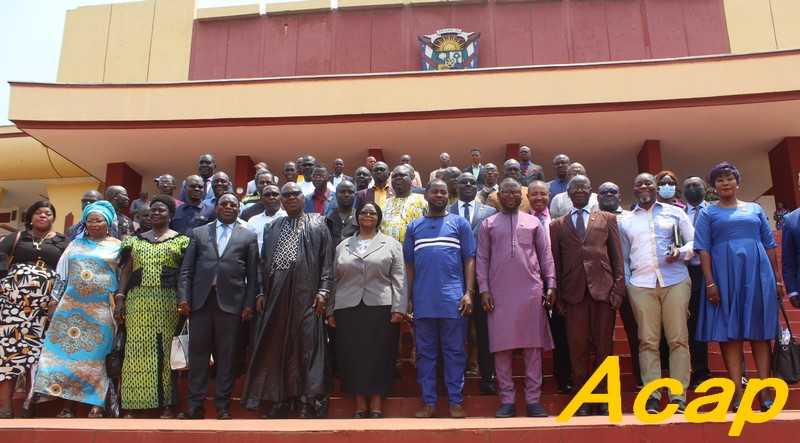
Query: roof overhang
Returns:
{"type": "Point", "coordinates": [703, 110]}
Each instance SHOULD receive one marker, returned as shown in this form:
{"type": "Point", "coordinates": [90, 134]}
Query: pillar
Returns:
{"type": "Point", "coordinates": [120, 174]}
{"type": "Point", "coordinates": [377, 153]}
{"type": "Point", "coordinates": [512, 151]}
{"type": "Point", "coordinates": [784, 165]}
{"type": "Point", "coordinates": [649, 158]}
{"type": "Point", "coordinates": [244, 171]}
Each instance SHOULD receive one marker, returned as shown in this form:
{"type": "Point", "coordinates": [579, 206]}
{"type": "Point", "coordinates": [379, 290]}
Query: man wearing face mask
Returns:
{"type": "Point", "coordinates": [694, 189]}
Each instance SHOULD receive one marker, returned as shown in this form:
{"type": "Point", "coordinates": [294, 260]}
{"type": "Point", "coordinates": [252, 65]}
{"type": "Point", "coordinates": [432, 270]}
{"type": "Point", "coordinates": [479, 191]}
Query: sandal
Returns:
{"type": "Point", "coordinates": [376, 414]}
{"type": "Point", "coordinates": [360, 414]}
{"type": "Point", "coordinates": [96, 412]}
{"type": "Point", "coordinates": [66, 413]}
{"type": "Point", "coordinates": [167, 413]}
{"type": "Point", "coordinates": [766, 405]}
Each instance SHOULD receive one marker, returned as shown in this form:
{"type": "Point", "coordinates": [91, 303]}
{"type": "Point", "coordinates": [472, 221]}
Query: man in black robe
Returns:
{"type": "Point", "coordinates": [289, 361]}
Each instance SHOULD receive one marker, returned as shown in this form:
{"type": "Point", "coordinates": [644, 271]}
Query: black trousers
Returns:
{"type": "Point", "coordinates": [697, 349]}
{"type": "Point", "coordinates": [562, 367]}
{"type": "Point", "coordinates": [212, 330]}
{"type": "Point", "coordinates": [485, 358]}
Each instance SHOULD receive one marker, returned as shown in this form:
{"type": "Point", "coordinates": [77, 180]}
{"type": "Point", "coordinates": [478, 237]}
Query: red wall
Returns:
{"type": "Point", "coordinates": [536, 32]}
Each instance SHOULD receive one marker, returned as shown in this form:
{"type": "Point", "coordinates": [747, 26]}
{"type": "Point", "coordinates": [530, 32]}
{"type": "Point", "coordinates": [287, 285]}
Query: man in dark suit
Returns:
{"type": "Point", "coordinates": [217, 289]}
{"type": "Point", "coordinates": [79, 229]}
{"type": "Point", "coordinates": [530, 171]}
{"type": "Point", "coordinates": [321, 200]}
{"type": "Point", "coordinates": [475, 213]}
{"type": "Point", "coordinates": [338, 173]}
{"type": "Point", "coordinates": [123, 225]}
{"type": "Point", "coordinates": [476, 168]}
{"type": "Point", "coordinates": [591, 282]}
{"type": "Point", "coordinates": [195, 212]}
{"type": "Point", "coordinates": [381, 190]}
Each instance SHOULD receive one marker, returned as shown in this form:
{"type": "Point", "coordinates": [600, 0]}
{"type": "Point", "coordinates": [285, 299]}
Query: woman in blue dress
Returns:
{"type": "Point", "coordinates": [742, 279]}
{"type": "Point", "coordinates": [73, 361]}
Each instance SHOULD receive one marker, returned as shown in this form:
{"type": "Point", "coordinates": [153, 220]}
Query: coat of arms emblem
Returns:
{"type": "Point", "coordinates": [449, 48]}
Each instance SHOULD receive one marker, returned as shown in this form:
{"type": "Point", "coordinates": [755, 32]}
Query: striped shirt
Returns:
{"type": "Point", "coordinates": [437, 248]}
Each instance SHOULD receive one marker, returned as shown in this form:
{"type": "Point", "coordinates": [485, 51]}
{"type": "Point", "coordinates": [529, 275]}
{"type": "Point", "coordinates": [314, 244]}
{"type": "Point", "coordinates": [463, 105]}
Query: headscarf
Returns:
{"type": "Point", "coordinates": [103, 208]}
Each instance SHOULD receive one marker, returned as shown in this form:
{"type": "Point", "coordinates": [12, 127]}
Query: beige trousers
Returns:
{"type": "Point", "coordinates": [667, 307]}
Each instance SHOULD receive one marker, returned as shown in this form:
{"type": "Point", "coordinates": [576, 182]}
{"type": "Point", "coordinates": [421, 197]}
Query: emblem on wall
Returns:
{"type": "Point", "coordinates": [448, 49]}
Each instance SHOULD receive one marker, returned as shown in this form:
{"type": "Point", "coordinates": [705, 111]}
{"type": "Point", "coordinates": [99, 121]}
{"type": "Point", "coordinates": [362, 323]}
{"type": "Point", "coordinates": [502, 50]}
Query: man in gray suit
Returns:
{"type": "Point", "coordinates": [217, 289]}
{"type": "Point", "coordinates": [475, 213]}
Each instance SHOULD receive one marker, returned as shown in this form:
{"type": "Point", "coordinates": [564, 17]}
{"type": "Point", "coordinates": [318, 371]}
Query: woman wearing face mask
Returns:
{"type": "Point", "coordinates": [667, 183]}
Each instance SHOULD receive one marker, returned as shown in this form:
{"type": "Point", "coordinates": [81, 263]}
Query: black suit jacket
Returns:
{"type": "Point", "coordinates": [479, 178]}
{"type": "Point", "coordinates": [236, 269]}
{"type": "Point", "coordinates": [482, 213]}
{"type": "Point", "coordinates": [344, 177]}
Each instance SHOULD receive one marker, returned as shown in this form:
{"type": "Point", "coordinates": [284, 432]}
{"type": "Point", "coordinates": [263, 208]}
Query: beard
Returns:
{"type": "Point", "coordinates": [645, 198]}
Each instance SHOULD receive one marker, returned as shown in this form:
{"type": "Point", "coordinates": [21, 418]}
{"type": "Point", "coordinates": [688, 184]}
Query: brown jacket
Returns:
{"type": "Point", "coordinates": [595, 262]}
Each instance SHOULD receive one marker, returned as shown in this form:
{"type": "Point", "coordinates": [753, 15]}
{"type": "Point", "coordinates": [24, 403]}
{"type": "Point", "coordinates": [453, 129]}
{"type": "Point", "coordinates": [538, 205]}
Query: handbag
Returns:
{"type": "Point", "coordinates": [179, 349]}
{"type": "Point", "coordinates": [786, 357]}
{"type": "Point", "coordinates": [13, 248]}
{"type": "Point", "coordinates": [115, 358]}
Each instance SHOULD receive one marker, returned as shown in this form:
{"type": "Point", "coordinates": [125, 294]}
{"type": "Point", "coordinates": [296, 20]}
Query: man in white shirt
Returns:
{"type": "Point", "coordinates": [561, 204]}
{"type": "Point", "coordinates": [271, 199]}
{"type": "Point", "coordinates": [658, 284]}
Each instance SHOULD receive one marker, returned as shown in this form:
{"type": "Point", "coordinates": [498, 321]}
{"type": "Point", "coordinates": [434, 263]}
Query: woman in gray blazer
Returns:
{"type": "Point", "coordinates": [366, 307]}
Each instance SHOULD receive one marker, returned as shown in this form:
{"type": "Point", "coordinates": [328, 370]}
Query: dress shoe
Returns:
{"type": "Point", "coordinates": [652, 405]}
{"type": "Point", "coordinates": [564, 387]}
{"type": "Point", "coordinates": [584, 410]}
{"type": "Point", "coordinates": [426, 411]}
{"type": "Point", "coordinates": [305, 411]}
{"type": "Point", "coordinates": [456, 411]}
{"type": "Point", "coordinates": [602, 409]}
{"type": "Point", "coordinates": [277, 411]}
{"type": "Point", "coordinates": [488, 388]}
{"type": "Point", "coordinates": [696, 381]}
{"type": "Point", "coordinates": [536, 410]}
{"type": "Point", "coordinates": [224, 414]}
{"type": "Point", "coordinates": [192, 414]}
{"type": "Point", "coordinates": [506, 410]}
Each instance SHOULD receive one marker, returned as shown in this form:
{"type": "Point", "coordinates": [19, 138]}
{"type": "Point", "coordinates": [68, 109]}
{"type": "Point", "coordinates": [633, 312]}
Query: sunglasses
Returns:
{"type": "Point", "coordinates": [291, 194]}
{"type": "Point", "coordinates": [608, 191]}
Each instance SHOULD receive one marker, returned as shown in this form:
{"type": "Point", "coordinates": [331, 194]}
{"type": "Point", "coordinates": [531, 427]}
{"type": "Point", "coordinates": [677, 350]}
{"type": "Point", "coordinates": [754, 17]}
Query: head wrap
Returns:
{"type": "Point", "coordinates": [103, 208]}
{"type": "Point", "coordinates": [723, 168]}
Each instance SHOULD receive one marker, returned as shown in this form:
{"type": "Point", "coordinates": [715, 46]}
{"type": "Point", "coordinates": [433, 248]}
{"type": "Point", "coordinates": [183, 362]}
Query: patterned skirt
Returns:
{"type": "Point", "coordinates": [23, 319]}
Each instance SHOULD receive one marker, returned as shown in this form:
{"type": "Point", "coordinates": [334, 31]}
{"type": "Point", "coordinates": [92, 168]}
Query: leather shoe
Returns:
{"type": "Point", "coordinates": [506, 410]}
{"type": "Point", "coordinates": [487, 388]}
{"type": "Point", "coordinates": [536, 410]}
{"type": "Point", "coordinates": [426, 411]}
{"type": "Point", "coordinates": [456, 411]}
{"type": "Point", "coordinates": [602, 409]}
{"type": "Point", "coordinates": [584, 411]}
{"type": "Point", "coordinates": [224, 414]}
{"type": "Point", "coordinates": [277, 411]}
{"type": "Point", "coordinates": [192, 414]}
{"type": "Point", "coordinates": [564, 387]}
{"type": "Point", "coordinates": [304, 411]}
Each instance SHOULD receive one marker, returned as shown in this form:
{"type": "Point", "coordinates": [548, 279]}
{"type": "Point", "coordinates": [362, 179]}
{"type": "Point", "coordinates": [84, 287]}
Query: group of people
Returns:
{"type": "Point", "coordinates": [326, 267]}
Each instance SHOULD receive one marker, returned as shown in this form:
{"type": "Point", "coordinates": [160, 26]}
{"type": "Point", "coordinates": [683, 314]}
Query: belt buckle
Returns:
{"type": "Point", "coordinates": [40, 264]}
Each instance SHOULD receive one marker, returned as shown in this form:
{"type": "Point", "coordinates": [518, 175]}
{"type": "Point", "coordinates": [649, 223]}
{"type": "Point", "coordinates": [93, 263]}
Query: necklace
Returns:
{"type": "Point", "coordinates": [160, 236]}
{"type": "Point", "coordinates": [38, 245]}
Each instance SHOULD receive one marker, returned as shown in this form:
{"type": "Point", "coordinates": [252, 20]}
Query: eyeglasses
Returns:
{"type": "Point", "coordinates": [228, 204]}
{"type": "Point", "coordinates": [369, 213]}
{"type": "Point", "coordinates": [291, 194]}
{"type": "Point", "coordinates": [507, 193]}
{"type": "Point", "coordinates": [195, 186]}
{"type": "Point", "coordinates": [608, 191]}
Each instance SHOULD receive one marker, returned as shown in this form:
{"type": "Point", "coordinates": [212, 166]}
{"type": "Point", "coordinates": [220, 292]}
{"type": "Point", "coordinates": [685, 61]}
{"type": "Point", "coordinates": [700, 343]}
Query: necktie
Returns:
{"type": "Point", "coordinates": [525, 168]}
{"type": "Point", "coordinates": [696, 212]}
{"type": "Point", "coordinates": [580, 226]}
{"type": "Point", "coordinates": [540, 216]}
{"type": "Point", "coordinates": [466, 212]}
{"type": "Point", "coordinates": [222, 242]}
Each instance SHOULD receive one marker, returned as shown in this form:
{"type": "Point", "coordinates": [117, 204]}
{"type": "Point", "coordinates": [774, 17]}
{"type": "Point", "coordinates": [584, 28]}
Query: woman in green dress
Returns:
{"type": "Point", "coordinates": [146, 304]}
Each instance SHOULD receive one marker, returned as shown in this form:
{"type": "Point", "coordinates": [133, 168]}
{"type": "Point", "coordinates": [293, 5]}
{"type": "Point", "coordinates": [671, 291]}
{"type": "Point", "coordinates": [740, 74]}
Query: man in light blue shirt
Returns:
{"type": "Point", "coordinates": [656, 240]}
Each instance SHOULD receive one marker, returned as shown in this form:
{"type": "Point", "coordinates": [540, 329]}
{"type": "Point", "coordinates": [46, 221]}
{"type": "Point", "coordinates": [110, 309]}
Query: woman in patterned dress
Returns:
{"type": "Point", "coordinates": [25, 288]}
{"type": "Point", "coordinates": [73, 361]}
{"type": "Point", "coordinates": [146, 304]}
